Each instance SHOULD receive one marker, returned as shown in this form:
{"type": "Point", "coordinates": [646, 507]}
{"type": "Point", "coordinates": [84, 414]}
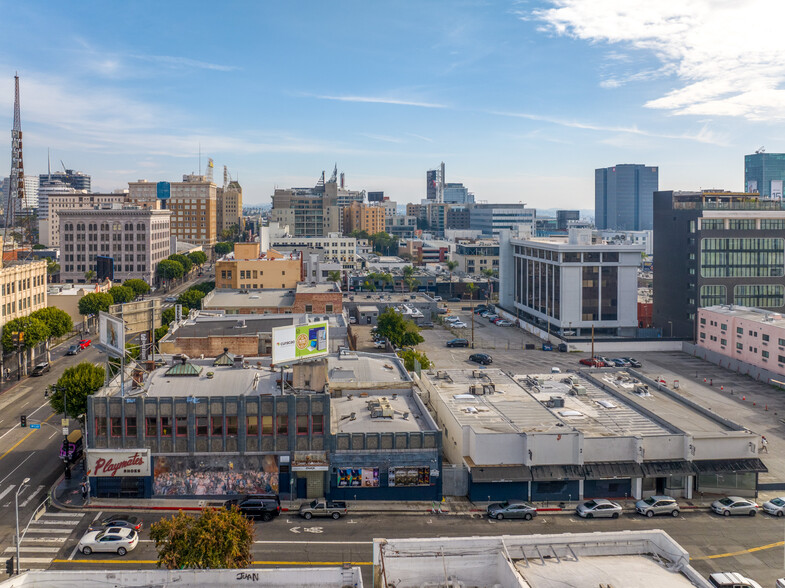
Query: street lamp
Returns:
{"type": "Point", "coordinates": [671, 324]}
{"type": "Point", "coordinates": [16, 504]}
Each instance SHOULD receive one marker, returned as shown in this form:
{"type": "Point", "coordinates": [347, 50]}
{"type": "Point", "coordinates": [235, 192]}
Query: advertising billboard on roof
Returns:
{"type": "Point", "coordinates": [297, 342]}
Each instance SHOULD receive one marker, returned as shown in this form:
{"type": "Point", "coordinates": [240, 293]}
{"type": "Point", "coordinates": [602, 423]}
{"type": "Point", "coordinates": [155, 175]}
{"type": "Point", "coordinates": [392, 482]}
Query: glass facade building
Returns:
{"type": "Point", "coordinates": [764, 173]}
{"type": "Point", "coordinates": [623, 197]}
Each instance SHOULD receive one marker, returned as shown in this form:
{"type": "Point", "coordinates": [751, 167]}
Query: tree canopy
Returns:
{"type": "Point", "coordinates": [400, 331]}
{"type": "Point", "coordinates": [140, 287]}
{"type": "Point", "coordinates": [95, 302]}
{"type": "Point", "coordinates": [58, 321]}
{"type": "Point", "coordinates": [167, 316]}
{"type": "Point", "coordinates": [384, 243]}
{"type": "Point", "coordinates": [183, 260]}
{"type": "Point", "coordinates": [197, 257]}
{"type": "Point", "coordinates": [223, 248]}
{"type": "Point", "coordinates": [409, 355]}
{"type": "Point", "coordinates": [217, 538]}
{"type": "Point", "coordinates": [168, 269]}
{"type": "Point", "coordinates": [77, 383]}
{"type": "Point", "coordinates": [121, 294]}
{"type": "Point", "coordinates": [205, 287]}
{"type": "Point", "coordinates": [35, 331]}
{"type": "Point", "coordinates": [191, 298]}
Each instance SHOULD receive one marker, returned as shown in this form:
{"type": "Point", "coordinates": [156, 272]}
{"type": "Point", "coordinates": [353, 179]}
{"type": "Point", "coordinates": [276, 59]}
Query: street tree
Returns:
{"type": "Point", "coordinates": [205, 287]}
{"type": "Point", "coordinates": [451, 265]}
{"type": "Point", "coordinates": [411, 283]}
{"type": "Point", "coordinates": [74, 386]}
{"type": "Point", "coordinates": [95, 302]}
{"type": "Point", "coordinates": [183, 260]}
{"type": "Point", "coordinates": [35, 331]}
{"type": "Point", "coordinates": [409, 355]}
{"type": "Point", "coordinates": [197, 257]}
{"type": "Point", "coordinates": [52, 267]}
{"type": "Point", "coordinates": [489, 273]}
{"type": "Point", "coordinates": [335, 276]}
{"type": "Point", "coordinates": [169, 269]}
{"type": "Point", "coordinates": [140, 287]}
{"type": "Point", "coordinates": [471, 288]}
{"type": "Point", "coordinates": [400, 331]}
{"type": "Point", "coordinates": [57, 321]}
{"type": "Point", "coordinates": [121, 294]}
{"type": "Point", "coordinates": [191, 298]}
{"type": "Point", "coordinates": [215, 539]}
{"type": "Point", "coordinates": [223, 248]}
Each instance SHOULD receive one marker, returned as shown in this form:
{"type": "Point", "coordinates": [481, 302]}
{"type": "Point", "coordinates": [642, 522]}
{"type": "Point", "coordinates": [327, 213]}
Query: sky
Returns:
{"type": "Point", "coordinates": [522, 100]}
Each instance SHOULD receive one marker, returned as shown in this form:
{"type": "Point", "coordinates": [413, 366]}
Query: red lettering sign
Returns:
{"type": "Point", "coordinates": [105, 467]}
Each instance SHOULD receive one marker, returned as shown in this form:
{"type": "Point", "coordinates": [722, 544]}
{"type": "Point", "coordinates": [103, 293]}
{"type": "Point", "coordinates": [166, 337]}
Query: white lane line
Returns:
{"type": "Point", "coordinates": [39, 408]}
{"type": "Point", "coordinates": [315, 542]}
{"type": "Point", "coordinates": [32, 549]}
{"type": "Point", "coordinates": [32, 496]}
{"type": "Point", "coordinates": [73, 553]}
{"type": "Point", "coordinates": [53, 434]}
{"type": "Point", "coordinates": [25, 404]}
{"type": "Point", "coordinates": [17, 467]}
{"type": "Point", "coordinates": [98, 516]}
{"type": "Point", "coordinates": [16, 426]}
{"type": "Point", "coordinates": [6, 491]}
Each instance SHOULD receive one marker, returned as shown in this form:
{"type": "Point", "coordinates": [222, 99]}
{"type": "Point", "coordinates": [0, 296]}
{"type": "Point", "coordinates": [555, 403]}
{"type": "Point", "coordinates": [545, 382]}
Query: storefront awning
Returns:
{"type": "Point", "coordinates": [661, 469]}
{"type": "Point", "coordinates": [511, 473]}
{"type": "Point", "coordinates": [612, 469]}
{"type": "Point", "coordinates": [550, 473]}
{"type": "Point", "coordinates": [730, 466]}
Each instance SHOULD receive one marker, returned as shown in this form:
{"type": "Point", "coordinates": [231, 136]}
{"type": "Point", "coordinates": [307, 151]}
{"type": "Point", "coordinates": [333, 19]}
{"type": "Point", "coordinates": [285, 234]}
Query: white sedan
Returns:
{"type": "Point", "coordinates": [503, 323]}
{"type": "Point", "coordinates": [775, 506]}
{"type": "Point", "coordinates": [459, 325]}
{"type": "Point", "coordinates": [117, 540]}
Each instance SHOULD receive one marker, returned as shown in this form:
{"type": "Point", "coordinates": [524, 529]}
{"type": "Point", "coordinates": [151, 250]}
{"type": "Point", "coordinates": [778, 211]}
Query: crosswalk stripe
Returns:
{"type": "Point", "coordinates": [31, 497]}
{"type": "Point", "coordinates": [6, 491]}
{"type": "Point", "coordinates": [28, 560]}
{"type": "Point", "coordinates": [32, 549]}
{"type": "Point", "coordinates": [60, 522]}
{"type": "Point", "coordinates": [44, 540]}
{"type": "Point", "coordinates": [72, 515]}
{"type": "Point", "coordinates": [33, 529]}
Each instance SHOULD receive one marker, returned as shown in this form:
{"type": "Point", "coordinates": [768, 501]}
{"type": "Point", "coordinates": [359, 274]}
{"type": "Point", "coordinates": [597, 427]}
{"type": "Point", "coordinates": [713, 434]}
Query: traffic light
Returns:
{"type": "Point", "coordinates": [9, 565]}
{"type": "Point", "coordinates": [23, 421]}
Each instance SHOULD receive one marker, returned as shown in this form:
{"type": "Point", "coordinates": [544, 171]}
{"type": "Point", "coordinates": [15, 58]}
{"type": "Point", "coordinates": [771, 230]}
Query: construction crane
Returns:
{"type": "Point", "coordinates": [760, 150]}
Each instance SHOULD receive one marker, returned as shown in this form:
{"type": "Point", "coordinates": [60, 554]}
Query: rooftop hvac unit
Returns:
{"type": "Point", "coordinates": [476, 390]}
{"type": "Point", "coordinates": [578, 390]}
{"type": "Point", "coordinates": [488, 388]}
{"type": "Point", "coordinates": [556, 402]}
{"type": "Point", "coordinates": [440, 375]}
{"type": "Point", "coordinates": [477, 374]}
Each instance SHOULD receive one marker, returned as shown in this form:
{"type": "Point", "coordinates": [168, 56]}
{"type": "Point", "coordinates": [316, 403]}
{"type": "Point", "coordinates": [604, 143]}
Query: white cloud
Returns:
{"type": "Point", "coordinates": [728, 55]}
{"type": "Point", "coordinates": [382, 100]}
{"type": "Point", "coordinates": [176, 62]}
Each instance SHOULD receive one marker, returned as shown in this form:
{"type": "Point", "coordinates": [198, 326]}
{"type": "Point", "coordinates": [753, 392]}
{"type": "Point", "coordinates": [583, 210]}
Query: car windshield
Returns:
{"type": "Point", "coordinates": [590, 504]}
{"type": "Point", "coordinates": [100, 535]}
{"type": "Point", "coordinates": [726, 501]}
{"type": "Point", "coordinates": [649, 500]}
{"type": "Point", "coordinates": [314, 503]}
{"type": "Point", "coordinates": [778, 502]}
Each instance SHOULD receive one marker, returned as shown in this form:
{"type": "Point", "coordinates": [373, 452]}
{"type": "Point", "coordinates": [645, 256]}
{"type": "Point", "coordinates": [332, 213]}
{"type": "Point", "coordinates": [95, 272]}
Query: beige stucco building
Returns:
{"type": "Point", "coordinates": [229, 207]}
{"type": "Point", "coordinates": [22, 288]}
{"type": "Point", "coordinates": [49, 226]}
{"type": "Point", "coordinates": [364, 217]}
{"type": "Point", "coordinates": [250, 268]}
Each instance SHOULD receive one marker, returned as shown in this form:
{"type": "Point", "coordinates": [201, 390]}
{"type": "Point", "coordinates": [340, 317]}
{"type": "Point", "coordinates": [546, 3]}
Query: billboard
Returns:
{"type": "Point", "coordinates": [118, 463]}
{"type": "Point", "coordinates": [297, 342]}
{"type": "Point", "coordinates": [776, 189]}
{"type": "Point", "coordinates": [111, 334]}
{"type": "Point", "coordinates": [104, 268]}
{"type": "Point", "coordinates": [163, 190]}
{"type": "Point", "coordinates": [140, 316]}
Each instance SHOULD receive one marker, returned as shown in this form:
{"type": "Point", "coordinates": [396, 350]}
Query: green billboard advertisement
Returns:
{"type": "Point", "coordinates": [300, 341]}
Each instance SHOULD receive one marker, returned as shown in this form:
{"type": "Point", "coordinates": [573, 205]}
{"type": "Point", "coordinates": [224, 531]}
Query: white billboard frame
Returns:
{"type": "Point", "coordinates": [291, 343]}
{"type": "Point", "coordinates": [111, 334]}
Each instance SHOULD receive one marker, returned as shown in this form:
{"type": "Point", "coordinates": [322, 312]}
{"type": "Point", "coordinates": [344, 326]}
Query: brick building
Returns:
{"type": "Point", "coordinates": [363, 217]}
{"type": "Point", "coordinates": [323, 298]}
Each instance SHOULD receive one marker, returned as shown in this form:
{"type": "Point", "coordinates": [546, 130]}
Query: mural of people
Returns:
{"type": "Point", "coordinates": [215, 476]}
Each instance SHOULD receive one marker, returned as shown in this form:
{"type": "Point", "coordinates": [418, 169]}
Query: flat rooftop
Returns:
{"type": "Point", "coordinates": [625, 559]}
{"type": "Point", "coordinates": [406, 417]}
{"type": "Point", "coordinates": [679, 414]}
{"type": "Point", "coordinates": [233, 325]}
{"type": "Point", "coordinates": [758, 315]}
{"type": "Point", "coordinates": [388, 297]}
{"type": "Point", "coordinates": [272, 298]}
{"type": "Point", "coordinates": [594, 412]}
{"type": "Point", "coordinates": [356, 367]}
{"type": "Point", "coordinates": [317, 288]}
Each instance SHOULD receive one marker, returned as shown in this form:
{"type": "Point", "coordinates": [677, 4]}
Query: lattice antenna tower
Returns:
{"type": "Point", "coordinates": [16, 193]}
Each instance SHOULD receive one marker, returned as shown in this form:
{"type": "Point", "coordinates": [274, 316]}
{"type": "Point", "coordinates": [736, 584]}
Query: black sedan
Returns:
{"type": "Point", "coordinates": [40, 369]}
{"type": "Point", "coordinates": [458, 343]}
{"type": "Point", "coordinates": [118, 520]}
{"type": "Point", "coordinates": [482, 358]}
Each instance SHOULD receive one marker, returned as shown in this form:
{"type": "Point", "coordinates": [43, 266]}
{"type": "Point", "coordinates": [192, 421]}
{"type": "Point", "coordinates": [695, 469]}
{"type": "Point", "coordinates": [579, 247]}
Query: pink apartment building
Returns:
{"type": "Point", "coordinates": [751, 335]}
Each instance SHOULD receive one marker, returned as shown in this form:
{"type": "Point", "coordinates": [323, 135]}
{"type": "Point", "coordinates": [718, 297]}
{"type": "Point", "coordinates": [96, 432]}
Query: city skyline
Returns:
{"type": "Point", "coordinates": [521, 100]}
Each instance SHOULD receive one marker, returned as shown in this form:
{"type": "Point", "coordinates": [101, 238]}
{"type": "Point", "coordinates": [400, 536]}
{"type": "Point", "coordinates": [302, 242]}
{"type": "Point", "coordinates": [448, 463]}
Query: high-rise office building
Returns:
{"type": "Point", "coordinates": [764, 173]}
{"type": "Point", "coordinates": [77, 180]}
{"type": "Point", "coordinates": [456, 193]}
{"type": "Point", "coordinates": [492, 218]}
{"type": "Point", "coordinates": [563, 217]}
{"type": "Point", "coordinates": [623, 196]}
{"type": "Point", "coordinates": [229, 207]}
{"type": "Point", "coordinates": [715, 248]}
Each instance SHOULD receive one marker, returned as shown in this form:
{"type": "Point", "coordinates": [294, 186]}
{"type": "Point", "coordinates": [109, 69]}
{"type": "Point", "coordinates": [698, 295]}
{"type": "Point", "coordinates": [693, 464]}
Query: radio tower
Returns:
{"type": "Point", "coordinates": [16, 193]}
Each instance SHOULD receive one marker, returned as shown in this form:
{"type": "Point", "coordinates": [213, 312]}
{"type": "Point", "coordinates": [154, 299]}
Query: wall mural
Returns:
{"type": "Point", "coordinates": [214, 475]}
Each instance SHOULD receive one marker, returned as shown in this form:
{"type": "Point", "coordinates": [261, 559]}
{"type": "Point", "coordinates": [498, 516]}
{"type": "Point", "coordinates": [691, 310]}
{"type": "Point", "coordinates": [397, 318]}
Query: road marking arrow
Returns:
{"type": "Point", "coordinates": [294, 529]}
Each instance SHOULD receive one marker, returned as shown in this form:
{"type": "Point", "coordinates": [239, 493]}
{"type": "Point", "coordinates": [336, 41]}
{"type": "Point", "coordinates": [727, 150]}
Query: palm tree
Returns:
{"type": "Point", "coordinates": [471, 287]}
{"type": "Point", "coordinates": [334, 276]}
{"type": "Point", "coordinates": [489, 273]}
{"type": "Point", "coordinates": [411, 283]}
{"type": "Point", "coordinates": [89, 275]}
{"type": "Point", "coordinates": [386, 279]}
{"type": "Point", "coordinates": [451, 265]}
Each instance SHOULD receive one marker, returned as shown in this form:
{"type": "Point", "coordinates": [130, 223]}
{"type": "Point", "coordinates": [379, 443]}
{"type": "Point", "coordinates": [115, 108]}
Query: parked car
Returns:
{"type": "Point", "coordinates": [632, 361]}
{"type": "Point", "coordinates": [599, 508]}
{"type": "Point", "coordinates": [511, 509]}
{"type": "Point", "coordinates": [656, 505]}
{"type": "Point", "coordinates": [123, 521]}
{"type": "Point", "coordinates": [775, 506]}
{"type": "Point", "coordinates": [264, 506]}
{"type": "Point", "coordinates": [482, 358]}
{"type": "Point", "coordinates": [458, 343]}
{"type": "Point", "coordinates": [620, 362]}
{"type": "Point", "coordinates": [452, 319]}
{"type": "Point", "coordinates": [503, 323]}
{"type": "Point", "coordinates": [85, 343]}
{"type": "Point", "coordinates": [352, 320]}
{"type": "Point", "coordinates": [170, 299]}
{"type": "Point", "coordinates": [563, 347]}
{"type": "Point", "coordinates": [117, 540]}
{"type": "Point", "coordinates": [496, 320]}
{"type": "Point", "coordinates": [323, 508]}
{"type": "Point", "coordinates": [735, 505]}
{"type": "Point", "coordinates": [441, 310]}
{"type": "Point", "coordinates": [491, 317]}
{"type": "Point", "coordinates": [459, 325]}
{"type": "Point", "coordinates": [380, 344]}
{"type": "Point", "coordinates": [437, 298]}
{"type": "Point", "coordinates": [40, 369]}
{"type": "Point", "coordinates": [592, 361]}
{"type": "Point", "coordinates": [734, 580]}
{"type": "Point", "coordinates": [454, 299]}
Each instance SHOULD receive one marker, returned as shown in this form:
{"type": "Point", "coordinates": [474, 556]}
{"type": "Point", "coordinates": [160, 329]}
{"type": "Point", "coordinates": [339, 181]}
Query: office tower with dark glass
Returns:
{"type": "Point", "coordinates": [764, 173]}
{"type": "Point", "coordinates": [623, 197]}
{"type": "Point", "coordinates": [713, 248]}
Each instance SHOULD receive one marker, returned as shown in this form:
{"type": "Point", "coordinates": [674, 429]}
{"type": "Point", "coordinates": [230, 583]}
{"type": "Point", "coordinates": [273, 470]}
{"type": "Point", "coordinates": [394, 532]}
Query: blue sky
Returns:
{"type": "Point", "coordinates": [521, 100]}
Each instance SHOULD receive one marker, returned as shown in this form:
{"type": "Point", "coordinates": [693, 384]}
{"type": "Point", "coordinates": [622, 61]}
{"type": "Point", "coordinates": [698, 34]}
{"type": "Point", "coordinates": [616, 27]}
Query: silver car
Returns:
{"type": "Point", "coordinates": [512, 509]}
{"type": "Point", "coordinates": [656, 505]}
{"type": "Point", "coordinates": [599, 508]}
{"type": "Point", "coordinates": [775, 506]}
{"type": "Point", "coordinates": [735, 505]}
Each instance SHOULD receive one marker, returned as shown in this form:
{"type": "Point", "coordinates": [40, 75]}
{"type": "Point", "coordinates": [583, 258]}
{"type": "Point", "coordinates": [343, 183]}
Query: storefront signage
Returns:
{"type": "Point", "coordinates": [413, 476]}
{"type": "Point", "coordinates": [112, 463]}
{"type": "Point", "coordinates": [310, 461]}
{"type": "Point", "coordinates": [358, 477]}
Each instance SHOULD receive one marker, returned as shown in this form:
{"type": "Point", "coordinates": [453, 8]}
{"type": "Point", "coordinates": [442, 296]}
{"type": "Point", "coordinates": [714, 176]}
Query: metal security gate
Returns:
{"type": "Point", "coordinates": [455, 480]}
